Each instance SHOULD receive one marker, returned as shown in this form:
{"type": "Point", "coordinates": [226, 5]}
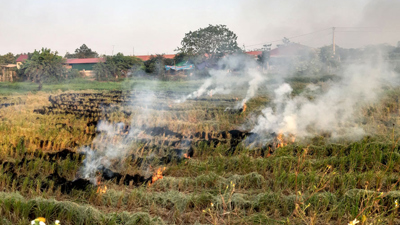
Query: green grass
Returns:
{"type": "Point", "coordinates": [9, 88]}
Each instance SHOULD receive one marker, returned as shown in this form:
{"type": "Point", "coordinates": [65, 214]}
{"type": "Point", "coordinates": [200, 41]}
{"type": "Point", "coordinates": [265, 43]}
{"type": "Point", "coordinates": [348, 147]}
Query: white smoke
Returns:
{"type": "Point", "coordinates": [334, 111]}
{"type": "Point", "coordinates": [236, 73]}
{"type": "Point", "coordinates": [111, 146]}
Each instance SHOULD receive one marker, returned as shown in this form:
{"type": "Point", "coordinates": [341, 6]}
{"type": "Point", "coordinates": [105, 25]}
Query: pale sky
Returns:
{"type": "Point", "coordinates": [157, 26]}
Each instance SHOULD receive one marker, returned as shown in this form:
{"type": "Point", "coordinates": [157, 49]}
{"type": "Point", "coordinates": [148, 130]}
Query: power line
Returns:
{"type": "Point", "coordinates": [352, 31]}
{"type": "Point", "coordinates": [314, 38]}
{"type": "Point", "coordinates": [290, 37]}
{"type": "Point", "coordinates": [357, 27]}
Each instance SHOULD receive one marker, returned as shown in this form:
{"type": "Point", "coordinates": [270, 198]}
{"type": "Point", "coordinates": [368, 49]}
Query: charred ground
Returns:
{"type": "Point", "coordinates": [200, 146]}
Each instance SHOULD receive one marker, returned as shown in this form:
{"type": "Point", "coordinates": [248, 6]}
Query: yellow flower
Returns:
{"type": "Point", "coordinates": [212, 205]}
{"type": "Point", "coordinates": [41, 219]}
{"type": "Point", "coordinates": [396, 203]}
{"type": "Point", "coordinates": [355, 221]}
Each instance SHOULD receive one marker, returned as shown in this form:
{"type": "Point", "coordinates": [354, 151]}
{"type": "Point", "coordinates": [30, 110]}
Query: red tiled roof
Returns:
{"type": "Point", "coordinates": [21, 58]}
{"type": "Point", "coordinates": [255, 53]}
{"type": "Point", "coordinates": [147, 57]}
{"type": "Point", "coordinates": [143, 57]}
{"type": "Point", "coordinates": [87, 60]}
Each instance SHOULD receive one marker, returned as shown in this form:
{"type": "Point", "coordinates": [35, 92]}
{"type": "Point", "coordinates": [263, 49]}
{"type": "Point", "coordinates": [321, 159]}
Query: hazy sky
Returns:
{"type": "Point", "coordinates": [158, 26]}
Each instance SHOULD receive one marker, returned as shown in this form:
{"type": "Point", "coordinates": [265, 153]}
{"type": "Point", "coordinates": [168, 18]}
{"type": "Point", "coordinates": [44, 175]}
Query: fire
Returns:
{"type": "Point", "coordinates": [100, 189]}
{"type": "Point", "coordinates": [157, 175]}
{"type": "Point", "coordinates": [211, 93]}
{"type": "Point", "coordinates": [244, 107]}
{"type": "Point", "coordinates": [186, 156]}
{"type": "Point", "coordinates": [283, 141]}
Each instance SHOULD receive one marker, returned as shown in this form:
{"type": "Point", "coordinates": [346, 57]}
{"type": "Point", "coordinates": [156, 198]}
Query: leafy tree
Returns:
{"type": "Point", "coordinates": [210, 43]}
{"type": "Point", "coordinates": [264, 57]}
{"type": "Point", "coordinates": [329, 60]}
{"type": "Point", "coordinates": [117, 66]}
{"type": "Point", "coordinates": [44, 65]}
{"type": "Point", "coordinates": [155, 65]}
{"type": "Point", "coordinates": [8, 58]}
{"type": "Point", "coordinates": [103, 71]}
{"type": "Point", "coordinates": [82, 52]}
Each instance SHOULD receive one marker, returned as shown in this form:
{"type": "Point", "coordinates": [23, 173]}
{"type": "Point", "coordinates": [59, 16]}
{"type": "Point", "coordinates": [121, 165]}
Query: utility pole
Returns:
{"type": "Point", "coordinates": [333, 40]}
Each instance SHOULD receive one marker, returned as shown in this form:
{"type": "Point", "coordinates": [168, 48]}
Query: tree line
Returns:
{"type": "Point", "coordinates": [203, 48]}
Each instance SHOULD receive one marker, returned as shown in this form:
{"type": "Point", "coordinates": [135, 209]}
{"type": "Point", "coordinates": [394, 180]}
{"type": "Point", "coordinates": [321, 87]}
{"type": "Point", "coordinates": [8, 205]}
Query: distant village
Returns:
{"type": "Point", "coordinates": [86, 65]}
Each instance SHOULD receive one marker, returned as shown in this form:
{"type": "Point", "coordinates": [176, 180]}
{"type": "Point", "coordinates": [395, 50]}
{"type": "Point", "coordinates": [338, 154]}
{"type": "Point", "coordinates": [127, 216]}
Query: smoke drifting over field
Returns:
{"type": "Point", "coordinates": [334, 111]}
{"type": "Point", "coordinates": [111, 146]}
{"type": "Point", "coordinates": [234, 73]}
{"type": "Point", "coordinates": [331, 109]}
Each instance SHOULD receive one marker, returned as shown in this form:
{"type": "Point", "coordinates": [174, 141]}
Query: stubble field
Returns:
{"type": "Point", "coordinates": [136, 156]}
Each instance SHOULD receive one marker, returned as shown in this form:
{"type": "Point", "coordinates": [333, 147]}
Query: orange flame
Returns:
{"type": "Point", "coordinates": [244, 107]}
{"type": "Point", "coordinates": [186, 156]}
{"type": "Point", "coordinates": [100, 189]}
{"type": "Point", "coordinates": [282, 141]}
{"type": "Point", "coordinates": [211, 93]}
{"type": "Point", "coordinates": [157, 175]}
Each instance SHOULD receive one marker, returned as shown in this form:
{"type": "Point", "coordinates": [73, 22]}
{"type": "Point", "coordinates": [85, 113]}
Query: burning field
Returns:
{"type": "Point", "coordinates": [212, 156]}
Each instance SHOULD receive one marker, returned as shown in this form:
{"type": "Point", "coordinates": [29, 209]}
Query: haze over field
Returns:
{"type": "Point", "coordinates": [139, 26]}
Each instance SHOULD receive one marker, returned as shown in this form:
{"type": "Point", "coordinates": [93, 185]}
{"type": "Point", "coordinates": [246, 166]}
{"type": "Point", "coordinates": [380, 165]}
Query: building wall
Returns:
{"type": "Point", "coordinates": [83, 66]}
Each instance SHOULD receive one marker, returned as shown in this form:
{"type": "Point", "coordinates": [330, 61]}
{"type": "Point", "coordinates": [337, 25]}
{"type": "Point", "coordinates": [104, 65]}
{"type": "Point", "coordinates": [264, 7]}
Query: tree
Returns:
{"type": "Point", "coordinates": [82, 52]}
{"type": "Point", "coordinates": [329, 60]}
{"type": "Point", "coordinates": [211, 42]}
{"type": "Point", "coordinates": [44, 65]}
{"type": "Point", "coordinates": [264, 57]}
{"type": "Point", "coordinates": [117, 66]}
{"type": "Point", "coordinates": [8, 58]}
{"type": "Point", "coordinates": [156, 64]}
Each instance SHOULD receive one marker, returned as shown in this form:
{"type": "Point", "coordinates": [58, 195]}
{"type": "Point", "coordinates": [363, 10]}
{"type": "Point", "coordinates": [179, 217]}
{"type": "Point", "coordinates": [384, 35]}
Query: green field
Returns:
{"type": "Point", "coordinates": [309, 181]}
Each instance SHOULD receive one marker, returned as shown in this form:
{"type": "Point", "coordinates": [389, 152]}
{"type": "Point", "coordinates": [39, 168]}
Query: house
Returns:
{"type": "Point", "coordinates": [7, 72]}
{"type": "Point", "coordinates": [83, 65]}
{"type": "Point", "coordinates": [21, 58]}
{"type": "Point", "coordinates": [255, 54]}
{"type": "Point", "coordinates": [284, 55]}
{"type": "Point", "coordinates": [147, 57]}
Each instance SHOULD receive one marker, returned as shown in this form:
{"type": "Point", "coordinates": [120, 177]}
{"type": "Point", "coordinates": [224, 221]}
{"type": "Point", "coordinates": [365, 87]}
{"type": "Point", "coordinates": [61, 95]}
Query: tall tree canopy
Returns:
{"type": "Point", "coordinates": [117, 66]}
{"type": "Point", "coordinates": [8, 58]}
{"type": "Point", "coordinates": [82, 52]}
{"type": "Point", "coordinates": [44, 65]}
{"type": "Point", "coordinates": [155, 65]}
{"type": "Point", "coordinates": [211, 42]}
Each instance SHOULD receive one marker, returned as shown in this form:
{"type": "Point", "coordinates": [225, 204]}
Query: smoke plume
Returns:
{"type": "Point", "coordinates": [233, 73]}
{"type": "Point", "coordinates": [334, 111]}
